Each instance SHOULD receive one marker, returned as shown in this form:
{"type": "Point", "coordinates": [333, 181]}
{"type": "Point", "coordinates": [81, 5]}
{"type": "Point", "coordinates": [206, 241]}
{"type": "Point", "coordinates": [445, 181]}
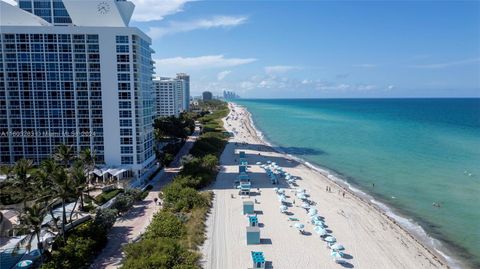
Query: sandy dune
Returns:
{"type": "Point", "coordinates": [370, 238]}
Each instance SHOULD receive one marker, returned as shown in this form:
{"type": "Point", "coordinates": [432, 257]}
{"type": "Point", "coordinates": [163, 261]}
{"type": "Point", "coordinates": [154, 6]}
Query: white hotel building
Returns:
{"type": "Point", "coordinates": [74, 72]}
{"type": "Point", "coordinates": [172, 95]}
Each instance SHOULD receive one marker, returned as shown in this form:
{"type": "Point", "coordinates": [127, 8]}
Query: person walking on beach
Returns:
{"type": "Point", "coordinates": [326, 189]}
{"type": "Point", "coordinates": [343, 194]}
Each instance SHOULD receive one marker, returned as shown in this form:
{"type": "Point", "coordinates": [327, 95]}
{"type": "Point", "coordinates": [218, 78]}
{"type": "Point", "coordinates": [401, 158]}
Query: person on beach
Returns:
{"type": "Point", "coordinates": [343, 194]}
{"type": "Point", "coordinates": [155, 200]}
{"type": "Point", "coordinates": [326, 189]}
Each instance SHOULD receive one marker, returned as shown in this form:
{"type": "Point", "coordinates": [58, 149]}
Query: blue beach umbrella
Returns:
{"type": "Point", "coordinates": [24, 264]}
{"type": "Point", "coordinates": [319, 230]}
{"type": "Point", "coordinates": [283, 208]}
{"type": "Point", "coordinates": [337, 247]}
{"type": "Point", "coordinates": [305, 205]}
{"type": "Point", "coordinates": [330, 239]}
{"type": "Point", "coordinates": [336, 255]}
{"type": "Point", "coordinates": [299, 226]}
{"type": "Point", "coordinates": [319, 223]}
{"type": "Point", "coordinates": [312, 212]}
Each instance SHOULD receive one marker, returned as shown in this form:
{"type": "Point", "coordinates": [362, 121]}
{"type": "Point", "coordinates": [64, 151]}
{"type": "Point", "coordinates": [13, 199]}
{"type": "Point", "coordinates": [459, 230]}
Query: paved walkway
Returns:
{"type": "Point", "coordinates": [131, 225]}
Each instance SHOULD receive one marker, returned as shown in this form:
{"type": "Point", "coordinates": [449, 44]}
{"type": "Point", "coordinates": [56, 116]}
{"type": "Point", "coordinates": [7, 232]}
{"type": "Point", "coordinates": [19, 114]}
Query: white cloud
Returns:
{"type": "Point", "coordinates": [279, 69]}
{"type": "Point", "coordinates": [446, 64]}
{"type": "Point", "coordinates": [154, 10]}
{"type": "Point", "coordinates": [365, 65]}
{"type": "Point", "coordinates": [201, 62]}
{"type": "Point", "coordinates": [187, 26]}
{"type": "Point", "coordinates": [223, 74]}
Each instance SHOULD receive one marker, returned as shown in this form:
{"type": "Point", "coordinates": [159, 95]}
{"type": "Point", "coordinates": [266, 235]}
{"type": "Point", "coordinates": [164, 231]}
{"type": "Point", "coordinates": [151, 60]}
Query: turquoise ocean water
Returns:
{"type": "Point", "coordinates": [415, 151]}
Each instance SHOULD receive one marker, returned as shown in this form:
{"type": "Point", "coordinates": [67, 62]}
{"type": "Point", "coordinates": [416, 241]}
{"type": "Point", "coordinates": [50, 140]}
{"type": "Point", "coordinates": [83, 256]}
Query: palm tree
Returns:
{"type": "Point", "coordinates": [64, 189]}
{"type": "Point", "coordinates": [44, 186]}
{"type": "Point", "coordinates": [32, 220]}
{"type": "Point", "coordinates": [21, 179]}
{"type": "Point", "coordinates": [64, 155]}
{"type": "Point", "coordinates": [79, 179]}
{"type": "Point", "coordinates": [87, 156]}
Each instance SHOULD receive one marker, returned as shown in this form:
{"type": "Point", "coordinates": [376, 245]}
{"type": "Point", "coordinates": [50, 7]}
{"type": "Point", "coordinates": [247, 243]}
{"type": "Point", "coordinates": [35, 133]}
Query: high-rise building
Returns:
{"type": "Point", "coordinates": [207, 96]}
{"type": "Point", "coordinates": [186, 90]}
{"type": "Point", "coordinates": [169, 96]}
{"type": "Point", "coordinates": [88, 84]}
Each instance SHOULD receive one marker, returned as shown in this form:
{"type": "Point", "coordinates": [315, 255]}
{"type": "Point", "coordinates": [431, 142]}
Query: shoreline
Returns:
{"type": "Point", "coordinates": [415, 231]}
{"type": "Point", "coordinates": [371, 238]}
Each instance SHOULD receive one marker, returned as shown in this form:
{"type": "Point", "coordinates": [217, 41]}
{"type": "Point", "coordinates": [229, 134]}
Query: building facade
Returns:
{"type": "Point", "coordinates": [172, 95]}
{"type": "Point", "coordinates": [186, 90]}
{"type": "Point", "coordinates": [169, 96]}
{"type": "Point", "coordinates": [206, 96]}
{"type": "Point", "coordinates": [88, 85]}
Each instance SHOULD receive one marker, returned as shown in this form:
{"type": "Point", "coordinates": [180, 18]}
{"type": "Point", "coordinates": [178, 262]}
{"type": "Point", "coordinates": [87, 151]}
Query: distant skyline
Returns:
{"type": "Point", "coordinates": [282, 49]}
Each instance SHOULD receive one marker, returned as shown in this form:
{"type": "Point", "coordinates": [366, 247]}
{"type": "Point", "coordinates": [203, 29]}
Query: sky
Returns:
{"type": "Point", "coordinates": [314, 49]}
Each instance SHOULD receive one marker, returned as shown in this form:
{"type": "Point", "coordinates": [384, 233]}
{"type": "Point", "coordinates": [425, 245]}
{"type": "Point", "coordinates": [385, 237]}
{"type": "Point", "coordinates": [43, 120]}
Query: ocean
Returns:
{"type": "Point", "coordinates": [405, 153]}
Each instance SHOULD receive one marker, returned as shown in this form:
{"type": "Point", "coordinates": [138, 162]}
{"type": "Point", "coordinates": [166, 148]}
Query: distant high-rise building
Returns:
{"type": "Point", "coordinates": [169, 99]}
{"type": "Point", "coordinates": [87, 85]}
{"type": "Point", "coordinates": [228, 95]}
{"type": "Point", "coordinates": [186, 90]}
{"type": "Point", "coordinates": [207, 96]}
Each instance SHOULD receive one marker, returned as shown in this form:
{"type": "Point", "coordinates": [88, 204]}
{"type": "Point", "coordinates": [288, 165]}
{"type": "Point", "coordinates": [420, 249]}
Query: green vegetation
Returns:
{"type": "Point", "coordinates": [104, 197]}
{"type": "Point", "coordinates": [172, 239]}
{"type": "Point", "coordinates": [81, 246]}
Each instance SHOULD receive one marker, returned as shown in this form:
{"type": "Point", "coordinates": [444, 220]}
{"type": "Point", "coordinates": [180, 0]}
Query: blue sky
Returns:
{"type": "Point", "coordinates": [318, 48]}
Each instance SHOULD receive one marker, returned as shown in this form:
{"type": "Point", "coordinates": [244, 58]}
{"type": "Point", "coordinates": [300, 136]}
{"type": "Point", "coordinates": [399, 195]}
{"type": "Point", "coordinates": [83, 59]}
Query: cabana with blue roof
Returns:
{"type": "Point", "coordinates": [248, 207]}
{"type": "Point", "coordinates": [253, 221]}
{"type": "Point", "coordinates": [253, 235]}
{"type": "Point", "coordinates": [258, 260]}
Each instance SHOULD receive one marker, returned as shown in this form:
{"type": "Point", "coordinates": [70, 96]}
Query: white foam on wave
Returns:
{"type": "Point", "coordinates": [408, 224]}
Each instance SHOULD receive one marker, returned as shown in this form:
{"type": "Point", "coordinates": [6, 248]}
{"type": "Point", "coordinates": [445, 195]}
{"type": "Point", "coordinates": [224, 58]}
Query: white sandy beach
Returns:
{"type": "Point", "coordinates": [371, 239]}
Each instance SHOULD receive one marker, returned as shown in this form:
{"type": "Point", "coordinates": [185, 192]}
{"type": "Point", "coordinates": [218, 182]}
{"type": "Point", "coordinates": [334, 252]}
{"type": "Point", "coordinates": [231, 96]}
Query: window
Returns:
{"type": "Point", "coordinates": [122, 39]}
{"type": "Point", "coordinates": [127, 159]}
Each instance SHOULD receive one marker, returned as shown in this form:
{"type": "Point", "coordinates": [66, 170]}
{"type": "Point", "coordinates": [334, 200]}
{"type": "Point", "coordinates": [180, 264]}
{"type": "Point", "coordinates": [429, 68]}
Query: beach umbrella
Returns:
{"type": "Point", "coordinates": [319, 230]}
{"type": "Point", "coordinates": [282, 191]}
{"type": "Point", "coordinates": [337, 247]}
{"type": "Point", "coordinates": [299, 226]}
{"type": "Point", "coordinates": [302, 196]}
{"type": "Point", "coordinates": [305, 205]}
{"type": "Point", "coordinates": [312, 212]}
{"type": "Point", "coordinates": [330, 239]}
{"type": "Point", "coordinates": [275, 189]}
{"type": "Point", "coordinates": [274, 163]}
{"type": "Point", "coordinates": [300, 190]}
{"type": "Point", "coordinates": [24, 264]}
{"type": "Point", "coordinates": [283, 208]}
{"type": "Point", "coordinates": [282, 199]}
{"type": "Point", "coordinates": [336, 255]}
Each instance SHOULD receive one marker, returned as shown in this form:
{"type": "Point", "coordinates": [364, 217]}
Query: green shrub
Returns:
{"type": "Point", "coordinates": [104, 197]}
{"type": "Point", "coordinates": [179, 198]}
{"type": "Point", "coordinates": [105, 218]}
{"type": "Point", "coordinates": [162, 253]}
{"type": "Point", "coordinates": [165, 224]}
{"type": "Point", "coordinates": [123, 203]}
{"type": "Point", "coordinates": [136, 194]}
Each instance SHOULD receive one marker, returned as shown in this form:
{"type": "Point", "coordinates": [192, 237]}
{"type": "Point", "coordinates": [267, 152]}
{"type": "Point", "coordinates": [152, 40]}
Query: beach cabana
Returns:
{"type": "Point", "coordinates": [253, 235]}
{"type": "Point", "coordinates": [248, 207]}
{"type": "Point", "coordinates": [258, 260]}
{"type": "Point", "coordinates": [336, 255]}
{"type": "Point", "coordinates": [253, 221]}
